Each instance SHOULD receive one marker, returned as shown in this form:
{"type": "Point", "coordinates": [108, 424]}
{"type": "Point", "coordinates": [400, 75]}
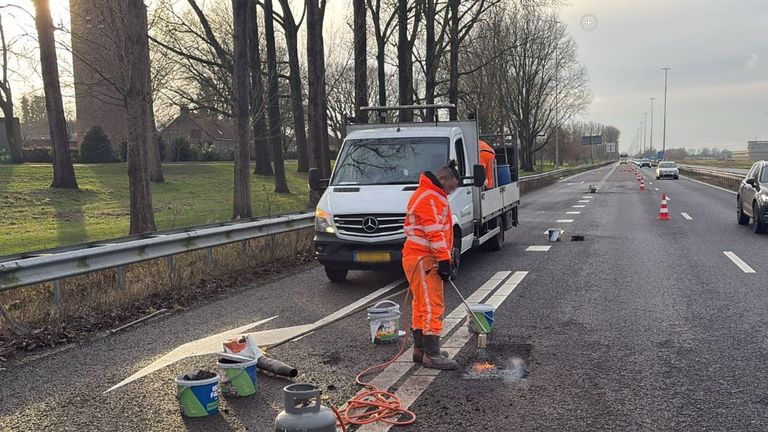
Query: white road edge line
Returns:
{"type": "Point", "coordinates": [415, 385]}
{"type": "Point", "coordinates": [395, 371]}
{"type": "Point", "coordinates": [739, 262]}
{"type": "Point", "coordinates": [686, 216]}
{"type": "Point", "coordinates": [707, 184]}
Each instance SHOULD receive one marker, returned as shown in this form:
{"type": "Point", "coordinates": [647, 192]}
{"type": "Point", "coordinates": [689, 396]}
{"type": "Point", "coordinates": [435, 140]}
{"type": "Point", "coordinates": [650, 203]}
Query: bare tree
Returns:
{"type": "Point", "coordinates": [258, 107]}
{"type": "Point", "coordinates": [361, 60]}
{"type": "Point", "coordinates": [383, 27]}
{"type": "Point", "coordinates": [63, 171]}
{"type": "Point", "coordinates": [241, 203]}
{"type": "Point", "coordinates": [135, 48]}
{"type": "Point", "coordinates": [12, 133]}
{"type": "Point", "coordinates": [273, 102]}
{"type": "Point", "coordinates": [291, 30]}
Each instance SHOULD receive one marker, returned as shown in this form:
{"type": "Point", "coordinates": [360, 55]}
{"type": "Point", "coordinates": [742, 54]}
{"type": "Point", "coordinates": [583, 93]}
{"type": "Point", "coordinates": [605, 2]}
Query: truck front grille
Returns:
{"type": "Point", "coordinates": [370, 225]}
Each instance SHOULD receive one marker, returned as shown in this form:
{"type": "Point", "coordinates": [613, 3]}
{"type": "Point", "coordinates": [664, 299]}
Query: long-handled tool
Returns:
{"type": "Point", "coordinates": [481, 335]}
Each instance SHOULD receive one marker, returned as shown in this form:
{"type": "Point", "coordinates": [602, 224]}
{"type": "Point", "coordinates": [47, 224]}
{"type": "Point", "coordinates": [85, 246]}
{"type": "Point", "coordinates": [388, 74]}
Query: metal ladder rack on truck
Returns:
{"type": "Point", "coordinates": [359, 218]}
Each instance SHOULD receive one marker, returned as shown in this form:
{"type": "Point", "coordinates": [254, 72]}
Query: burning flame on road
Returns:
{"type": "Point", "coordinates": [481, 367]}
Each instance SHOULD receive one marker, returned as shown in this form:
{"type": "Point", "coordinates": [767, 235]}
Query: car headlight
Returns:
{"type": "Point", "coordinates": [324, 222]}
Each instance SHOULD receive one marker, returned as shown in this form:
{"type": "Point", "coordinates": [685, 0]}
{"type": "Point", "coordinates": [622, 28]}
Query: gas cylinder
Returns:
{"type": "Point", "coordinates": [304, 411]}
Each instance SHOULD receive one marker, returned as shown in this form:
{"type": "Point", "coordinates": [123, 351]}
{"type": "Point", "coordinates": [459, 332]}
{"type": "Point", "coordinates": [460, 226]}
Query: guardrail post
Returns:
{"type": "Point", "coordinates": [169, 264]}
{"type": "Point", "coordinates": [120, 278]}
{"type": "Point", "coordinates": [57, 292]}
{"type": "Point", "coordinates": [209, 259]}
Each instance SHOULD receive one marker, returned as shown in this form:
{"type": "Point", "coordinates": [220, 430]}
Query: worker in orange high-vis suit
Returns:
{"type": "Point", "coordinates": [427, 261]}
{"type": "Point", "coordinates": [488, 161]}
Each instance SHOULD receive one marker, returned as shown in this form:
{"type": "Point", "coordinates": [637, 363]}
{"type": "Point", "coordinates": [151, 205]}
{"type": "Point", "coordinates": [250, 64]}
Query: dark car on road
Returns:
{"type": "Point", "coordinates": [752, 200]}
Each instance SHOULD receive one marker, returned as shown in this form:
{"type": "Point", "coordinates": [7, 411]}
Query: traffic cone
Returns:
{"type": "Point", "coordinates": [664, 211]}
{"type": "Point", "coordinates": [642, 185]}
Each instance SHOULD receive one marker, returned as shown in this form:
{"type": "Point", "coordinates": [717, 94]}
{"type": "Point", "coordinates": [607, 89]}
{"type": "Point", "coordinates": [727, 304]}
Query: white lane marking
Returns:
{"type": "Point", "coordinates": [739, 262]}
{"type": "Point", "coordinates": [538, 248]}
{"type": "Point", "coordinates": [212, 344]}
{"type": "Point", "coordinates": [417, 383]}
{"type": "Point", "coordinates": [686, 216]}
{"type": "Point", "coordinates": [650, 182]}
{"type": "Point", "coordinates": [707, 184]}
{"type": "Point", "coordinates": [584, 201]}
{"type": "Point", "coordinates": [586, 197]}
{"type": "Point", "coordinates": [573, 212]}
{"type": "Point", "coordinates": [394, 372]}
{"type": "Point", "coordinates": [668, 198]}
{"type": "Point", "coordinates": [562, 231]}
{"type": "Point", "coordinates": [579, 206]}
{"type": "Point", "coordinates": [655, 189]}
{"type": "Point", "coordinates": [564, 220]}
{"type": "Point", "coordinates": [581, 182]}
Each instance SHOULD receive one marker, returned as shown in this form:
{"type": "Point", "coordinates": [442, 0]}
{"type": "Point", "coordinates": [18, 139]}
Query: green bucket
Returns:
{"type": "Point", "coordinates": [482, 323]}
{"type": "Point", "coordinates": [198, 397]}
{"type": "Point", "coordinates": [238, 377]}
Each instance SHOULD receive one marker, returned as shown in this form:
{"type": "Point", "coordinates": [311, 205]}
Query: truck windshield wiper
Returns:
{"type": "Point", "coordinates": [395, 183]}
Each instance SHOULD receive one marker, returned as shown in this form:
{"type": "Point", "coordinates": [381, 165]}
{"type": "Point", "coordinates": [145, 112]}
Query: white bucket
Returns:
{"type": "Point", "coordinates": [384, 322]}
{"type": "Point", "coordinates": [554, 234]}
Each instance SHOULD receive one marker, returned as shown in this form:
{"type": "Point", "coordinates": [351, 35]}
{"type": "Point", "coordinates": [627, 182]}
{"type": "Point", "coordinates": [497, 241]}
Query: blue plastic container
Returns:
{"type": "Point", "coordinates": [504, 174]}
{"type": "Point", "coordinates": [198, 398]}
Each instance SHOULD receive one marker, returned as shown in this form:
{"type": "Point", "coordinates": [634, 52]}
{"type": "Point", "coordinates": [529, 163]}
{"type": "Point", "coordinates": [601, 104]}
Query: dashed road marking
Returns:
{"type": "Point", "coordinates": [686, 216]}
{"type": "Point", "coordinates": [564, 220]}
{"type": "Point", "coordinates": [573, 212]}
{"type": "Point", "coordinates": [586, 197]}
{"type": "Point", "coordinates": [579, 206]}
{"type": "Point", "coordinates": [739, 262]}
{"type": "Point", "coordinates": [655, 189]}
{"type": "Point", "coordinates": [584, 201]}
{"type": "Point", "coordinates": [538, 248]}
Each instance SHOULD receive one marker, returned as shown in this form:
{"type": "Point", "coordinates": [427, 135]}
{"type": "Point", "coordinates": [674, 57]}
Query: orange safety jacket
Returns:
{"type": "Point", "coordinates": [428, 221]}
{"type": "Point", "coordinates": [487, 158]}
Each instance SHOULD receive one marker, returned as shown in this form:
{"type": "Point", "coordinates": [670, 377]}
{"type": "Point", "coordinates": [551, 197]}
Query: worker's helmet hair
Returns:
{"type": "Point", "coordinates": [450, 170]}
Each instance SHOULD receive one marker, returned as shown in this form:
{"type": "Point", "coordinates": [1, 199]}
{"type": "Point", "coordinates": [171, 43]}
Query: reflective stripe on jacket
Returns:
{"type": "Point", "coordinates": [428, 221]}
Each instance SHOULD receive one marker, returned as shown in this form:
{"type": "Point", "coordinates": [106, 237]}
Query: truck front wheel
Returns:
{"type": "Point", "coordinates": [497, 241]}
{"type": "Point", "coordinates": [336, 275]}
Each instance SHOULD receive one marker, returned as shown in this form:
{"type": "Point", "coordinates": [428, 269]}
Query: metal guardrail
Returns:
{"type": "Point", "coordinates": [712, 172]}
{"type": "Point", "coordinates": [55, 264]}
{"type": "Point", "coordinates": [105, 255]}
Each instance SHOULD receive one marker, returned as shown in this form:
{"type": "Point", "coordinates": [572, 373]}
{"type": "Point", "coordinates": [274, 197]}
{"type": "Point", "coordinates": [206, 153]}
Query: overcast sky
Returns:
{"type": "Point", "coordinates": [717, 49]}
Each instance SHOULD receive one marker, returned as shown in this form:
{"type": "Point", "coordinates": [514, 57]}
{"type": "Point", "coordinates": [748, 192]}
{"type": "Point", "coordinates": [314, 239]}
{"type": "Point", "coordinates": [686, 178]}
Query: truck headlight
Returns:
{"type": "Point", "coordinates": [324, 222]}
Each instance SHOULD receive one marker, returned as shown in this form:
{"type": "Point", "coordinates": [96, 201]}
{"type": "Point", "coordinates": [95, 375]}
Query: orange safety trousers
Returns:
{"type": "Point", "coordinates": [428, 303]}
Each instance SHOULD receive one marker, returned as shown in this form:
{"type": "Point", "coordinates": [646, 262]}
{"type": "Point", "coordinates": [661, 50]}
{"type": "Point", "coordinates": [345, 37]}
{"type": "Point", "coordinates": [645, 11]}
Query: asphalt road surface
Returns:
{"type": "Point", "coordinates": [643, 325]}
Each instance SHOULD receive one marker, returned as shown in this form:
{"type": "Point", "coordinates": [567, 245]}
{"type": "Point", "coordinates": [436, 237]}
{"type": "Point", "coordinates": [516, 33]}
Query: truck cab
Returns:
{"type": "Point", "coordinates": [360, 216]}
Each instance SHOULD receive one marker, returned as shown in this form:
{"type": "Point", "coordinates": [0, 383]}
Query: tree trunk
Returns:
{"type": "Point", "coordinates": [361, 60]}
{"type": "Point", "coordinates": [430, 57]}
{"type": "Point", "coordinates": [263, 166]}
{"type": "Point", "coordinates": [241, 202]}
{"type": "Point", "coordinates": [297, 93]}
{"type": "Point", "coordinates": [153, 153]}
{"type": "Point", "coordinates": [273, 95]}
{"type": "Point", "coordinates": [63, 171]}
{"type": "Point", "coordinates": [136, 104]}
{"type": "Point", "coordinates": [381, 69]}
{"type": "Point", "coordinates": [453, 86]}
{"type": "Point", "coordinates": [403, 60]}
{"type": "Point", "coordinates": [12, 134]}
{"type": "Point", "coordinates": [316, 85]}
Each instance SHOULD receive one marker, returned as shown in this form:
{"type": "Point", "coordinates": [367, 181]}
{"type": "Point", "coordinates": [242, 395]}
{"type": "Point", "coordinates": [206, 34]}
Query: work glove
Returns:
{"type": "Point", "coordinates": [444, 270]}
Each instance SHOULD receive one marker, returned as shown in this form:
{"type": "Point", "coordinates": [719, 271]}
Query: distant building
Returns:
{"type": "Point", "coordinates": [97, 102]}
{"type": "Point", "coordinates": [740, 155]}
{"type": "Point", "coordinates": [201, 128]}
{"type": "Point", "coordinates": [758, 150]}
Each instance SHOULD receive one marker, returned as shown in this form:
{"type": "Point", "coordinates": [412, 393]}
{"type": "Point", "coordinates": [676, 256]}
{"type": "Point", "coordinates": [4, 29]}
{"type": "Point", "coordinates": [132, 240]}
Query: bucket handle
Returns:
{"type": "Point", "coordinates": [384, 302]}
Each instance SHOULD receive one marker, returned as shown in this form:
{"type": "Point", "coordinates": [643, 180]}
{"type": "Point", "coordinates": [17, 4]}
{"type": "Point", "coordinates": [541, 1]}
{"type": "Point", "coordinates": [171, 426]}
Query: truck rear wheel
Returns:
{"type": "Point", "coordinates": [336, 275]}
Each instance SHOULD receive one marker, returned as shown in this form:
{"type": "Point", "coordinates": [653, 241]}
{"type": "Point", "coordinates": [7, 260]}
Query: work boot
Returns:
{"type": "Point", "coordinates": [432, 357]}
{"type": "Point", "coordinates": [418, 346]}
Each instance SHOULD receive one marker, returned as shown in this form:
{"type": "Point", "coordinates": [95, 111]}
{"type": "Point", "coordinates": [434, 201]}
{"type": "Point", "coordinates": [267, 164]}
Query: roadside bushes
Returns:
{"type": "Point", "coordinates": [96, 147]}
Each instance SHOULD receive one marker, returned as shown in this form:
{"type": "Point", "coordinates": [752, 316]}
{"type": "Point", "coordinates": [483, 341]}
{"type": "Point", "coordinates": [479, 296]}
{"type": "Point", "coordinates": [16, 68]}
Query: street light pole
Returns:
{"type": "Point", "coordinates": [645, 129]}
{"type": "Point", "coordinates": [650, 146]}
{"type": "Point", "coordinates": [664, 134]}
{"type": "Point", "coordinates": [557, 104]}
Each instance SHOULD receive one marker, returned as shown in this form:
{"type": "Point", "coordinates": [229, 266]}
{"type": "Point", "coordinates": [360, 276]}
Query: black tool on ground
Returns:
{"type": "Point", "coordinates": [577, 238]}
{"type": "Point", "coordinates": [276, 367]}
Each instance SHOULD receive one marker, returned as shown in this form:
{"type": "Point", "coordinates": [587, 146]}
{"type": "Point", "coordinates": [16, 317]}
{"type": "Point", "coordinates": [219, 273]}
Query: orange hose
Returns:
{"type": "Point", "coordinates": [376, 405]}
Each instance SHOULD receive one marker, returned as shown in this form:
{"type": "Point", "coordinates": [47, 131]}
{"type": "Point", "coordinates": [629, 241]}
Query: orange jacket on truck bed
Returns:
{"type": "Point", "coordinates": [428, 221]}
{"type": "Point", "coordinates": [487, 159]}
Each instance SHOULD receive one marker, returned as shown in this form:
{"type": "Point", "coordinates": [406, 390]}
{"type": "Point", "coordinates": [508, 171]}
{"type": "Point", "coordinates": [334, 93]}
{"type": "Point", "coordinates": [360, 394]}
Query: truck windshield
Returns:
{"type": "Point", "coordinates": [382, 161]}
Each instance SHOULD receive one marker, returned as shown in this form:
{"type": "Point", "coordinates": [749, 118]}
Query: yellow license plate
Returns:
{"type": "Point", "coordinates": [372, 257]}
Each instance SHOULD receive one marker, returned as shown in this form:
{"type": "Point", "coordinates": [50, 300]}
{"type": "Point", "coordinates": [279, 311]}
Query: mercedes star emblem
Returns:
{"type": "Point", "coordinates": [370, 224]}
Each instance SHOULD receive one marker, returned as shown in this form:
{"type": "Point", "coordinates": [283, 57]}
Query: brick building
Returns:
{"type": "Point", "coordinates": [95, 34]}
{"type": "Point", "coordinates": [201, 128]}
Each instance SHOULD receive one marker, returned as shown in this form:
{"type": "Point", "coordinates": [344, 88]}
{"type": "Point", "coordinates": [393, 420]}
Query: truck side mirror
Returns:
{"type": "Point", "coordinates": [478, 176]}
{"type": "Point", "coordinates": [751, 181]}
{"type": "Point", "coordinates": [314, 179]}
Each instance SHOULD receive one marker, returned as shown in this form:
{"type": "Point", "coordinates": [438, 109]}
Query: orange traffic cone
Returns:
{"type": "Point", "coordinates": [664, 211]}
{"type": "Point", "coordinates": [642, 185]}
